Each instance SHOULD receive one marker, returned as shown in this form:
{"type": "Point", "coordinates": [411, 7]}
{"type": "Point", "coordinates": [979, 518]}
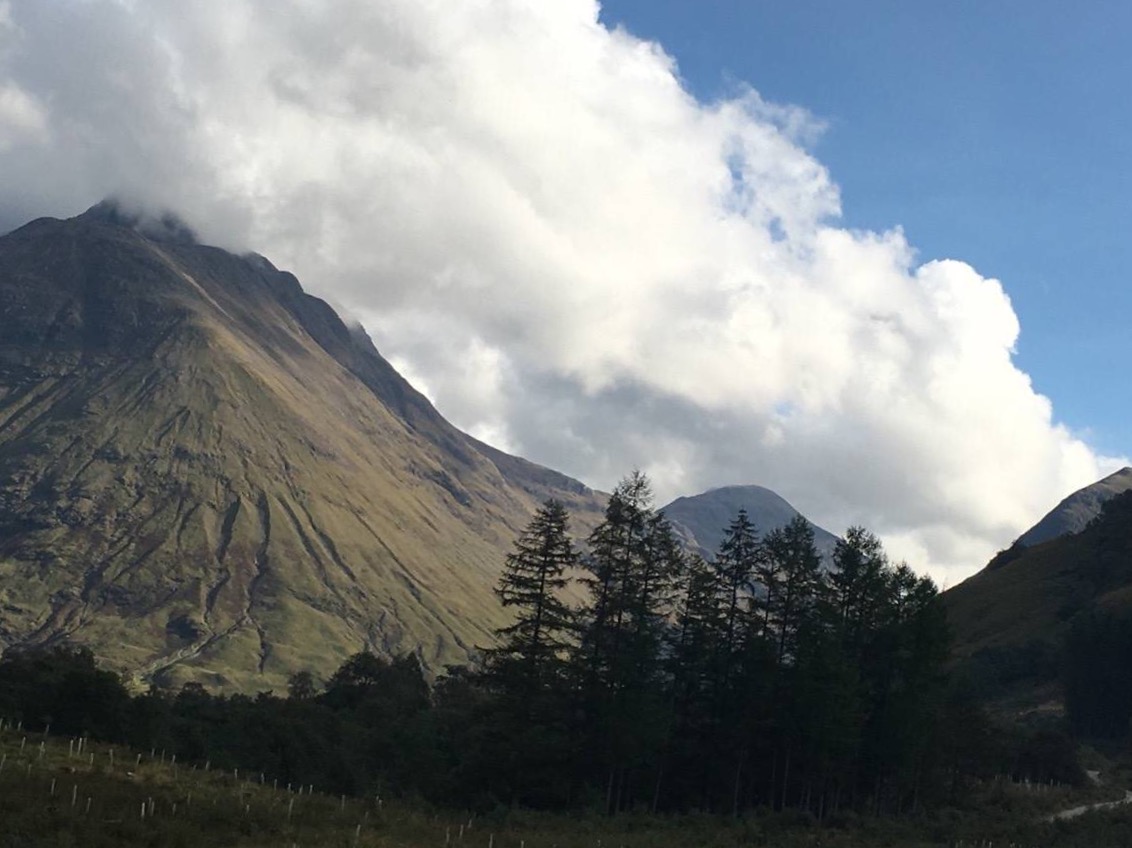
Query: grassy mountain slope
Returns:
{"type": "Point", "coordinates": [1010, 619]}
{"type": "Point", "coordinates": [205, 474]}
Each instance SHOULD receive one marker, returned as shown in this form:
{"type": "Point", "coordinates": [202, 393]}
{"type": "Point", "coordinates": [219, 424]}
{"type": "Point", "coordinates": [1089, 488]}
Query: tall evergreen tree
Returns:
{"type": "Point", "coordinates": [633, 566]}
{"type": "Point", "coordinates": [526, 732]}
{"type": "Point", "coordinates": [532, 650]}
{"type": "Point", "coordinates": [796, 564]}
{"type": "Point", "coordinates": [857, 585]}
{"type": "Point", "coordinates": [691, 654]}
{"type": "Point", "coordinates": [735, 672]}
{"type": "Point", "coordinates": [615, 565]}
{"type": "Point", "coordinates": [695, 638]}
{"type": "Point", "coordinates": [740, 556]}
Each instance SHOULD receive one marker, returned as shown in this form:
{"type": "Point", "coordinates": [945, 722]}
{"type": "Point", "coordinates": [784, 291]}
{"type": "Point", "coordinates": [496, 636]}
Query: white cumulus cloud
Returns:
{"type": "Point", "coordinates": [579, 260]}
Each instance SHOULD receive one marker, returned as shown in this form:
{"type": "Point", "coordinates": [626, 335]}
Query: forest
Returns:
{"type": "Point", "coordinates": [763, 678]}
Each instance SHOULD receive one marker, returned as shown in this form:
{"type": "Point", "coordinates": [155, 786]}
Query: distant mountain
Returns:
{"type": "Point", "coordinates": [1077, 510]}
{"type": "Point", "coordinates": [206, 475]}
{"type": "Point", "coordinates": [701, 520]}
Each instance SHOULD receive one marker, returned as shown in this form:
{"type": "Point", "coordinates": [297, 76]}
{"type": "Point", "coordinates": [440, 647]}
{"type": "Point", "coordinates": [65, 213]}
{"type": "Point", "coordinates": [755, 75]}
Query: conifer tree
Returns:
{"type": "Point", "coordinates": [532, 649]}
{"type": "Point", "coordinates": [690, 663]}
{"type": "Point", "coordinates": [617, 549]}
{"type": "Point", "coordinates": [696, 635]}
{"type": "Point", "coordinates": [526, 730]}
{"type": "Point", "coordinates": [796, 564]}
{"type": "Point", "coordinates": [633, 566]}
{"type": "Point", "coordinates": [857, 585]}
{"type": "Point", "coordinates": [740, 556]}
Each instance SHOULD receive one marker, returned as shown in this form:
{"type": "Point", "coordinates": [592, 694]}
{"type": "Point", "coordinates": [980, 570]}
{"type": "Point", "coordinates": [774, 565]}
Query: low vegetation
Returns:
{"type": "Point", "coordinates": [56, 791]}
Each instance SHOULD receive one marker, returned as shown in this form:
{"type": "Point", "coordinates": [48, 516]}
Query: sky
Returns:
{"type": "Point", "coordinates": [866, 255]}
{"type": "Point", "coordinates": [996, 133]}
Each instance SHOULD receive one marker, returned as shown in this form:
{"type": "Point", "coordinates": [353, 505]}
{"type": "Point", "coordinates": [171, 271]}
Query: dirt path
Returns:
{"type": "Point", "coordinates": [1074, 812]}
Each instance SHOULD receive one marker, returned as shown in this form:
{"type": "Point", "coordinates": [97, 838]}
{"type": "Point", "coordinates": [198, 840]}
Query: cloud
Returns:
{"type": "Point", "coordinates": [576, 257]}
{"type": "Point", "coordinates": [21, 117]}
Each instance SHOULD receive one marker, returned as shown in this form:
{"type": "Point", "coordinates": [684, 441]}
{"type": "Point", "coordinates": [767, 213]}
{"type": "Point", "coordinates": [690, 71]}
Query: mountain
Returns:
{"type": "Point", "coordinates": [1077, 510]}
{"type": "Point", "coordinates": [1010, 621]}
{"type": "Point", "coordinates": [701, 520]}
{"type": "Point", "coordinates": [206, 475]}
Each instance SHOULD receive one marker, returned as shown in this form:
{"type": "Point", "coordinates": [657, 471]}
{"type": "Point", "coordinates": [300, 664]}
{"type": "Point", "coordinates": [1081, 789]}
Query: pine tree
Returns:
{"type": "Point", "coordinates": [796, 564]}
{"type": "Point", "coordinates": [740, 556]}
{"type": "Point", "coordinates": [532, 650]}
{"type": "Point", "coordinates": [857, 585]}
{"type": "Point", "coordinates": [525, 732]}
{"type": "Point", "coordinates": [617, 547]}
{"type": "Point", "coordinates": [699, 621]}
{"type": "Point", "coordinates": [633, 566]}
{"type": "Point", "coordinates": [691, 664]}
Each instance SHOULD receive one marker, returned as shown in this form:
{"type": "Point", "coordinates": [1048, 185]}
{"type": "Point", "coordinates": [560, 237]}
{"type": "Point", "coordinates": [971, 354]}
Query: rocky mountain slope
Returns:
{"type": "Point", "coordinates": [701, 519]}
{"type": "Point", "coordinates": [206, 475]}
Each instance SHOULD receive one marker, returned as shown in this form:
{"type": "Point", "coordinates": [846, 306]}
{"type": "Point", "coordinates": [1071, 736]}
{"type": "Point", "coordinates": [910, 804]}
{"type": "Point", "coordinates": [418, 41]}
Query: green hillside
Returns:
{"type": "Point", "coordinates": [1010, 621]}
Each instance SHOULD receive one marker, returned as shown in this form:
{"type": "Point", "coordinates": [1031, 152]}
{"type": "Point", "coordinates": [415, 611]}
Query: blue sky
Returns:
{"type": "Point", "coordinates": [996, 133]}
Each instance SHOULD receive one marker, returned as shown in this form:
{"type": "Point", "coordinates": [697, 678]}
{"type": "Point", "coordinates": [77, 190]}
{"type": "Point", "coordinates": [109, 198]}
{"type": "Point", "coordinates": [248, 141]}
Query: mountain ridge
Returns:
{"type": "Point", "coordinates": [1075, 512]}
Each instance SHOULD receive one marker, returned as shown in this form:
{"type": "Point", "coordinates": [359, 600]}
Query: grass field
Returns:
{"type": "Point", "coordinates": [64, 792]}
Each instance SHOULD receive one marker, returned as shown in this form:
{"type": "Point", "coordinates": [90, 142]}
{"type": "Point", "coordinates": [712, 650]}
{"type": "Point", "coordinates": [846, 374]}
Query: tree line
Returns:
{"type": "Point", "coordinates": [759, 678]}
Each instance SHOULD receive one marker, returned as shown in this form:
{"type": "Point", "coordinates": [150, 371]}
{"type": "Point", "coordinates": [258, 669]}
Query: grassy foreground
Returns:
{"type": "Point", "coordinates": [61, 792]}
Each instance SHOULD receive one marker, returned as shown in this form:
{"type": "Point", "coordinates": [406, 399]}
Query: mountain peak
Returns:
{"type": "Point", "coordinates": [163, 227]}
{"type": "Point", "coordinates": [701, 520]}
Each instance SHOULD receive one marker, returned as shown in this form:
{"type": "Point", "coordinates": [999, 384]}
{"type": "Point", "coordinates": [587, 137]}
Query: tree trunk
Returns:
{"type": "Point", "coordinates": [737, 786]}
{"type": "Point", "coordinates": [785, 778]}
{"type": "Point", "coordinates": [656, 789]}
{"type": "Point", "coordinates": [774, 778]}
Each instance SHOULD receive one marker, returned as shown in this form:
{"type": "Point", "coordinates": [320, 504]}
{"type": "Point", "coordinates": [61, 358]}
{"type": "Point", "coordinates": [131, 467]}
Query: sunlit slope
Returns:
{"type": "Point", "coordinates": [204, 474]}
